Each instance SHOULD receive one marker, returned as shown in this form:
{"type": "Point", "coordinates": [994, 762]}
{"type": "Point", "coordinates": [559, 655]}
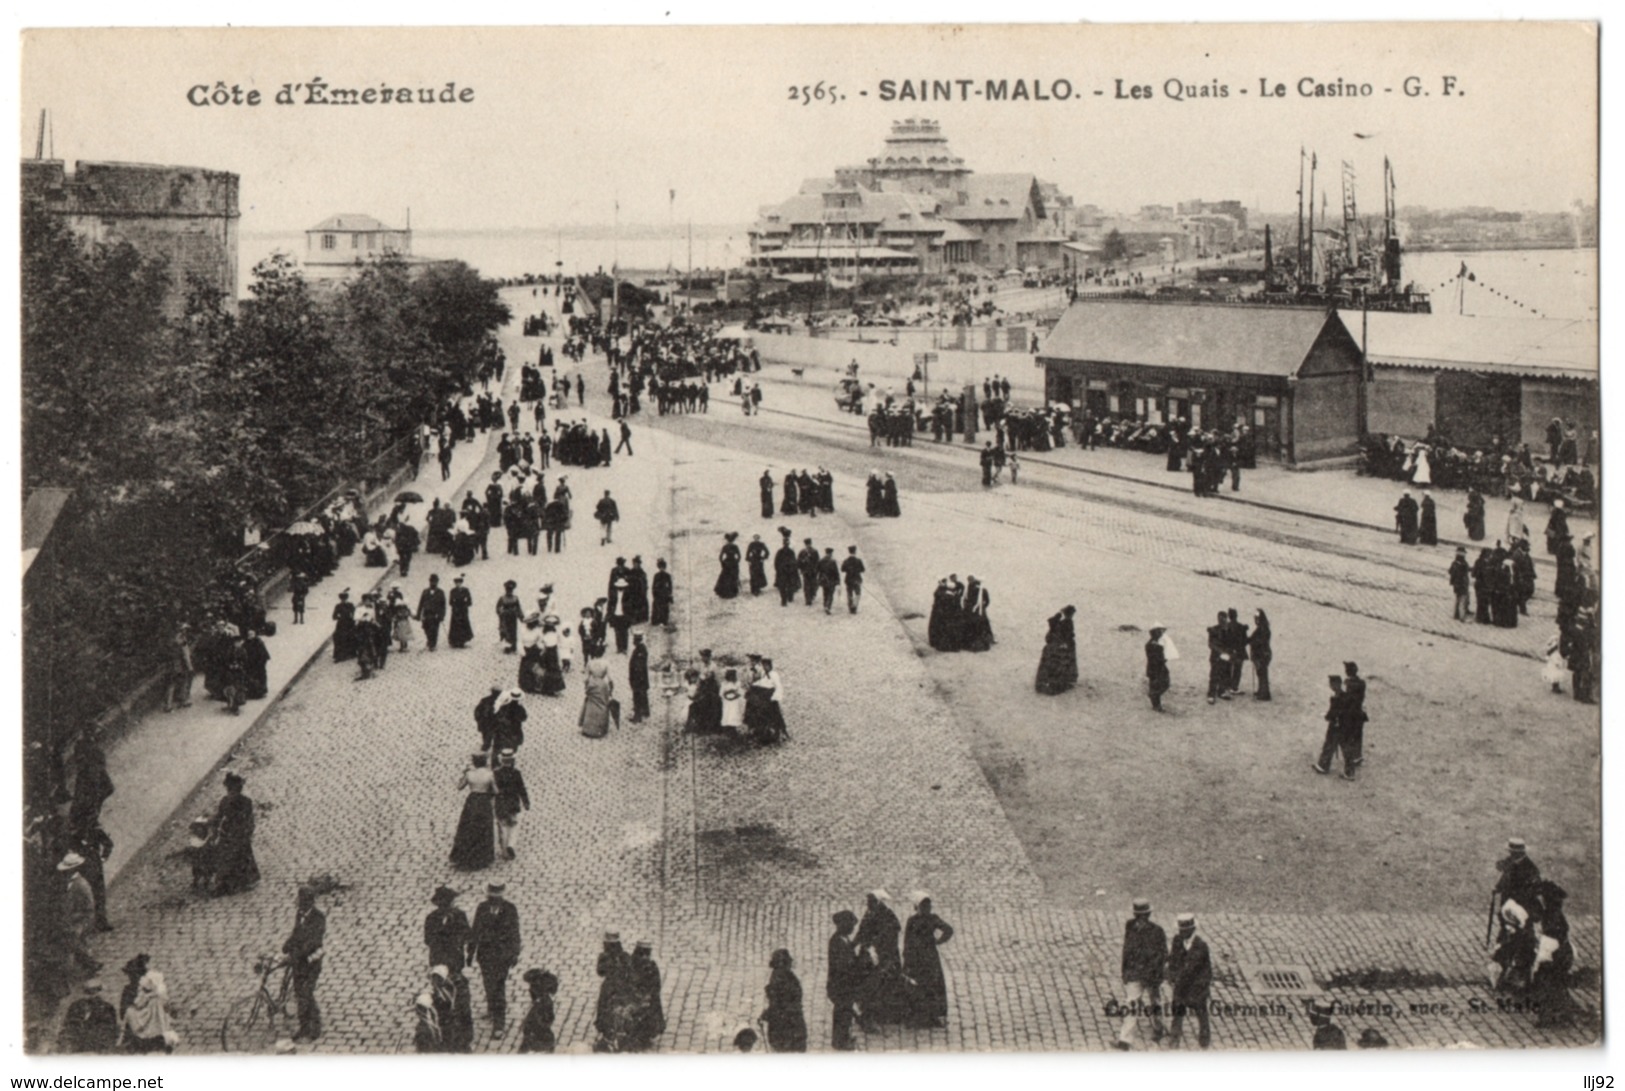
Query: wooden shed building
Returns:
{"type": "Point", "coordinates": [1478, 378]}
{"type": "Point", "coordinates": [1292, 373]}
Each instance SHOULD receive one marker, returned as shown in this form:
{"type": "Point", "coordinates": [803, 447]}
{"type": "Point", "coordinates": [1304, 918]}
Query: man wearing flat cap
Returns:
{"type": "Point", "coordinates": [1519, 878]}
{"type": "Point", "coordinates": [1190, 971]}
{"type": "Point", "coordinates": [1145, 952]}
{"type": "Point", "coordinates": [807, 564]}
{"type": "Point", "coordinates": [445, 930]}
{"type": "Point", "coordinates": [494, 945]}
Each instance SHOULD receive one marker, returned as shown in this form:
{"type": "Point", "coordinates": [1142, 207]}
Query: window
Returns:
{"type": "Point", "coordinates": [329, 242]}
{"type": "Point", "coordinates": [355, 242]}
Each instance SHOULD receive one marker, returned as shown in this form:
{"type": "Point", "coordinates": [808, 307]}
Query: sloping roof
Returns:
{"type": "Point", "coordinates": [836, 254]}
{"type": "Point", "coordinates": [1245, 339]}
{"type": "Point", "coordinates": [1554, 347]}
{"type": "Point", "coordinates": [957, 232]}
{"type": "Point", "coordinates": [351, 221]}
{"type": "Point", "coordinates": [994, 197]}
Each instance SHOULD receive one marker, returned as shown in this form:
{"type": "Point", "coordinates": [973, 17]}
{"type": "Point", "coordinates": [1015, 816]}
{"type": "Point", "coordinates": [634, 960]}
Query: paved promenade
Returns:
{"type": "Point", "coordinates": [719, 857]}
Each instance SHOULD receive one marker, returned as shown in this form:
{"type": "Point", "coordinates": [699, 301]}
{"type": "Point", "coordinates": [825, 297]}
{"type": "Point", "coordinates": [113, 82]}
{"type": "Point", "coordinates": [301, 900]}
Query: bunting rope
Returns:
{"type": "Point", "coordinates": [1472, 278]}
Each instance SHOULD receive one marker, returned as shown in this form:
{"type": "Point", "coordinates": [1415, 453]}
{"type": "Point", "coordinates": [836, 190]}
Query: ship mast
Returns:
{"type": "Point", "coordinates": [1351, 244]}
{"type": "Point", "coordinates": [1298, 262]}
{"type": "Point", "coordinates": [1313, 163]}
{"type": "Point", "coordinates": [1390, 226]}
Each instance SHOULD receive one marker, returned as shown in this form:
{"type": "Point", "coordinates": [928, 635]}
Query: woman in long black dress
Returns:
{"type": "Point", "coordinates": [474, 846]}
{"type": "Point", "coordinates": [462, 605]}
{"type": "Point", "coordinates": [790, 505]}
{"type": "Point", "coordinates": [728, 580]}
{"type": "Point", "coordinates": [975, 627]}
{"type": "Point", "coordinates": [923, 934]}
{"type": "Point", "coordinates": [235, 868]}
{"type": "Point", "coordinates": [705, 705]}
{"type": "Point", "coordinates": [767, 494]}
{"type": "Point", "coordinates": [874, 496]}
{"type": "Point", "coordinates": [1428, 529]}
{"type": "Point", "coordinates": [786, 1022]}
{"type": "Point", "coordinates": [888, 498]}
{"type": "Point", "coordinates": [1474, 518]}
{"type": "Point", "coordinates": [344, 628]}
{"type": "Point", "coordinates": [756, 556]}
{"type": "Point", "coordinates": [942, 630]}
{"type": "Point", "coordinates": [1058, 664]}
{"type": "Point", "coordinates": [884, 998]}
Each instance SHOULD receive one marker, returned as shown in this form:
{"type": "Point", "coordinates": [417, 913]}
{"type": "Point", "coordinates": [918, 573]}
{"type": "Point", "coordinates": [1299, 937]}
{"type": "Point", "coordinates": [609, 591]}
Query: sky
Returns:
{"type": "Point", "coordinates": [566, 122]}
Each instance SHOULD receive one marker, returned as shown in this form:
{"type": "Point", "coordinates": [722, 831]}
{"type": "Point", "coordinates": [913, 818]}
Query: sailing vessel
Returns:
{"type": "Point", "coordinates": [1344, 264]}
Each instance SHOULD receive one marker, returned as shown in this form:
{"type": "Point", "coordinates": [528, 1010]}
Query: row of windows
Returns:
{"type": "Point", "coordinates": [331, 242]}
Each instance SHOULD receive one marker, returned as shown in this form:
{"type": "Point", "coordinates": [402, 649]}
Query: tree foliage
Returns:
{"type": "Point", "coordinates": [1114, 247]}
{"type": "Point", "coordinates": [175, 434]}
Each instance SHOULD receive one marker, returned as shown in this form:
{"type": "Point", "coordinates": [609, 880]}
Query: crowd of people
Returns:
{"type": "Point", "coordinates": [804, 493]}
{"type": "Point", "coordinates": [1502, 470]}
{"type": "Point", "coordinates": [872, 981]}
{"type": "Point", "coordinates": [740, 702]}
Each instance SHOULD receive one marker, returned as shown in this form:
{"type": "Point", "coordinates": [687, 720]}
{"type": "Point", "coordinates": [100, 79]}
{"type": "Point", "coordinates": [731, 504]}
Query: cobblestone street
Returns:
{"type": "Point", "coordinates": [1031, 820]}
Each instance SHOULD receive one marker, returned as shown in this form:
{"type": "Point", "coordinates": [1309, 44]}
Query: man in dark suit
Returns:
{"type": "Point", "coordinates": [432, 611]}
{"type": "Point", "coordinates": [304, 952]}
{"type": "Point", "coordinates": [1238, 650]}
{"type": "Point", "coordinates": [1218, 659]}
{"type": "Point", "coordinates": [852, 568]}
{"type": "Point", "coordinates": [1354, 688]}
{"type": "Point", "coordinates": [512, 799]}
{"type": "Point", "coordinates": [494, 944]}
{"type": "Point", "coordinates": [637, 677]}
{"type": "Point", "coordinates": [786, 570]}
{"type": "Point", "coordinates": [1336, 731]}
{"type": "Point", "coordinates": [407, 543]}
{"type": "Point", "coordinates": [829, 578]}
{"type": "Point", "coordinates": [445, 930]}
{"type": "Point", "coordinates": [1145, 952]}
{"type": "Point", "coordinates": [1190, 970]}
{"type": "Point", "coordinates": [807, 563]}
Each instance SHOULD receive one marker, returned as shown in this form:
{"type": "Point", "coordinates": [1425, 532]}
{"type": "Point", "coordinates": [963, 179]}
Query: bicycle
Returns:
{"type": "Point", "coordinates": [251, 1023]}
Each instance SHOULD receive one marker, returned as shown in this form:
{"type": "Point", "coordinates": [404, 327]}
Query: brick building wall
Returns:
{"type": "Point", "coordinates": [185, 215]}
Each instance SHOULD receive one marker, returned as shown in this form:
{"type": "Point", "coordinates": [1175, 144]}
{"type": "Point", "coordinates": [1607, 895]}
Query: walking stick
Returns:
{"type": "Point", "coordinates": [1489, 927]}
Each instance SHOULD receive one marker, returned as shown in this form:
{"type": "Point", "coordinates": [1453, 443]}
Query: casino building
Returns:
{"type": "Point", "coordinates": [914, 208]}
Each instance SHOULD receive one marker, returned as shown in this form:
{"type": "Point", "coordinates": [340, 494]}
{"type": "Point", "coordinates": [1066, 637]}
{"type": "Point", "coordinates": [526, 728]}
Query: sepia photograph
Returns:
{"type": "Point", "coordinates": [1097, 540]}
